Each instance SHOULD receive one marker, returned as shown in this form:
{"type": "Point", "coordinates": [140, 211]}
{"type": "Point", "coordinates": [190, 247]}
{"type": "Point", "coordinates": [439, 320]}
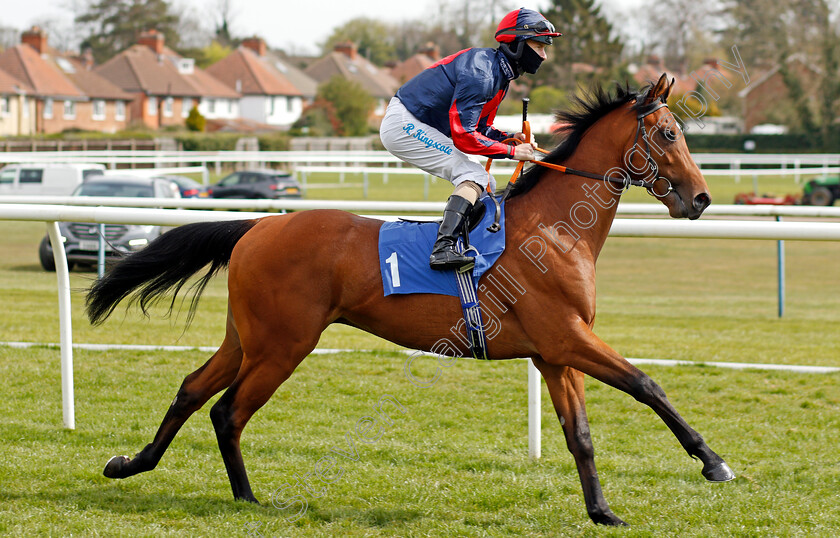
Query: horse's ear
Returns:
{"type": "Point", "coordinates": [668, 90]}
{"type": "Point", "coordinates": [659, 90]}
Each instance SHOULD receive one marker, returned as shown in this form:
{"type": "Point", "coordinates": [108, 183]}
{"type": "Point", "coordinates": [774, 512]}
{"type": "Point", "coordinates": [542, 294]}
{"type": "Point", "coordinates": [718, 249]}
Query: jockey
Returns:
{"type": "Point", "coordinates": [447, 112]}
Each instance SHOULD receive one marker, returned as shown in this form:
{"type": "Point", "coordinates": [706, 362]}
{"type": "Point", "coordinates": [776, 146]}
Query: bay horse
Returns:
{"type": "Point", "coordinates": [290, 276]}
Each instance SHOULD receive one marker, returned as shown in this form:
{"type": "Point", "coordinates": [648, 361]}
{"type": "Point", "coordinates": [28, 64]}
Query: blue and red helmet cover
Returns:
{"type": "Point", "coordinates": [521, 24]}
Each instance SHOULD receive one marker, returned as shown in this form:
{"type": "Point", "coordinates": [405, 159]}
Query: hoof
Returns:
{"type": "Point", "coordinates": [608, 519]}
{"type": "Point", "coordinates": [115, 465]}
{"type": "Point", "coordinates": [718, 473]}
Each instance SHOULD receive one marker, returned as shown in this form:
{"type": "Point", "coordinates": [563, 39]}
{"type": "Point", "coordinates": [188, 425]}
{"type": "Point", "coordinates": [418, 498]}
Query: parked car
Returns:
{"type": "Point", "coordinates": [189, 188]}
{"type": "Point", "coordinates": [749, 198]}
{"type": "Point", "coordinates": [256, 184]}
{"type": "Point", "coordinates": [822, 191]}
{"type": "Point", "coordinates": [81, 240]}
{"type": "Point", "coordinates": [46, 179]}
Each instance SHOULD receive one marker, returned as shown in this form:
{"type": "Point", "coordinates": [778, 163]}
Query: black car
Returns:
{"type": "Point", "coordinates": [256, 184]}
{"type": "Point", "coordinates": [81, 240]}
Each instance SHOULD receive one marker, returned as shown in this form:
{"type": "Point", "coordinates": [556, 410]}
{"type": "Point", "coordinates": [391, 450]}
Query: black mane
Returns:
{"type": "Point", "coordinates": [586, 110]}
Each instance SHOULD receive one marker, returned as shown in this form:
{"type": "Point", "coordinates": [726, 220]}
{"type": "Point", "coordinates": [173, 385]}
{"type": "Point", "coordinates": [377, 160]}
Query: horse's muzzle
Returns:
{"type": "Point", "coordinates": [700, 203]}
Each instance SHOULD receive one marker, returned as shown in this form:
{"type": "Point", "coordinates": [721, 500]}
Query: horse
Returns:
{"type": "Point", "coordinates": [290, 276]}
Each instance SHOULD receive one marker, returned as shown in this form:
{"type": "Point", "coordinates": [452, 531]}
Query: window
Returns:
{"type": "Point", "coordinates": [48, 108]}
{"type": "Point", "coordinates": [186, 66]}
{"type": "Point", "coordinates": [211, 106]}
{"type": "Point", "coordinates": [230, 106]}
{"type": "Point", "coordinates": [270, 106]}
{"type": "Point", "coordinates": [167, 106]}
{"type": "Point", "coordinates": [186, 106]}
{"type": "Point", "coordinates": [24, 102]}
{"type": "Point", "coordinates": [69, 110]}
{"type": "Point", "coordinates": [98, 109]}
{"type": "Point", "coordinates": [151, 106]}
{"type": "Point", "coordinates": [232, 179]}
{"type": "Point", "coordinates": [120, 112]}
{"type": "Point", "coordinates": [290, 105]}
{"type": "Point", "coordinates": [7, 175]}
{"type": "Point", "coordinates": [30, 175]}
{"type": "Point", "coordinates": [4, 106]}
{"type": "Point", "coordinates": [65, 65]}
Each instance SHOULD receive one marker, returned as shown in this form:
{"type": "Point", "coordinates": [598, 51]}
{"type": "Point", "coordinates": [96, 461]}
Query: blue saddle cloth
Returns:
{"type": "Point", "coordinates": [404, 249]}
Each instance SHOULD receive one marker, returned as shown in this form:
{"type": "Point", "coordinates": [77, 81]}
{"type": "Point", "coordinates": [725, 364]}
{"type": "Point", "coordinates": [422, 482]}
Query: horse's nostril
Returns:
{"type": "Point", "coordinates": [702, 201]}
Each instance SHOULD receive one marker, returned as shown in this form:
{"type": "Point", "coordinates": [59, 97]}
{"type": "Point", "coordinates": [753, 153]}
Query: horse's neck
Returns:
{"type": "Point", "coordinates": [581, 209]}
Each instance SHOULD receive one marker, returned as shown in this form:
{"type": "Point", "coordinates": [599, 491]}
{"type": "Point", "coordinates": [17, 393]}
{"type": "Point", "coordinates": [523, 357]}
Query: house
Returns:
{"type": "Point", "coordinates": [767, 98]}
{"type": "Point", "coordinates": [165, 86]}
{"type": "Point", "coordinates": [59, 87]}
{"type": "Point", "coordinates": [413, 66]}
{"type": "Point", "coordinates": [274, 91]}
{"type": "Point", "coordinates": [345, 61]}
{"type": "Point", "coordinates": [17, 109]}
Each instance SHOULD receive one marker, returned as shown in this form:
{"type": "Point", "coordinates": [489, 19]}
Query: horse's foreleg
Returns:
{"type": "Point", "coordinates": [565, 385]}
{"type": "Point", "coordinates": [198, 387]}
{"type": "Point", "coordinates": [590, 355]}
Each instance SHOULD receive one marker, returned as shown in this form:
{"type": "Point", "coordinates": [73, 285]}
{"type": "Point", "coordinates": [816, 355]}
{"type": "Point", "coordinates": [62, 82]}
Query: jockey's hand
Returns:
{"type": "Point", "coordinates": [521, 136]}
{"type": "Point", "coordinates": [523, 152]}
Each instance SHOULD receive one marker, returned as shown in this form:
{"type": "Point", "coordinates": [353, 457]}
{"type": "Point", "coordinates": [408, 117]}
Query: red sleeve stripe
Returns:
{"type": "Point", "coordinates": [472, 142]}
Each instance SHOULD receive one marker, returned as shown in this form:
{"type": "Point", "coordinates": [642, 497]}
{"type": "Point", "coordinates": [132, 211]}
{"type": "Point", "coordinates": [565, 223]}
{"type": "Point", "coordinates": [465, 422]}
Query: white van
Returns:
{"type": "Point", "coordinates": [45, 179]}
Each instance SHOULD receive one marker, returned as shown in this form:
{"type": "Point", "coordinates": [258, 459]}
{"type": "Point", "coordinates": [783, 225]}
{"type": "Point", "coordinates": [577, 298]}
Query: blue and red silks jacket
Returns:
{"type": "Point", "coordinates": [459, 96]}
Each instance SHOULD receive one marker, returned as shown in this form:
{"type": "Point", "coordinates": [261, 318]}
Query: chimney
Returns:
{"type": "Point", "coordinates": [431, 50]}
{"type": "Point", "coordinates": [86, 58]}
{"type": "Point", "coordinates": [347, 48]}
{"type": "Point", "coordinates": [655, 60]}
{"type": "Point", "coordinates": [256, 44]}
{"type": "Point", "coordinates": [711, 62]}
{"type": "Point", "coordinates": [152, 39]}
{"type": "Point", "coordinates": [35, 38]}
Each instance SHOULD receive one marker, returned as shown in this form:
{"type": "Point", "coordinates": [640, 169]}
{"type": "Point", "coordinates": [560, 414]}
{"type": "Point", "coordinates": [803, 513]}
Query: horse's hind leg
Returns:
{"type": "Point", "coordinates": [565, 385]}
{"type": "Point", "coordinates": [261, 374]}
{"type": "Point", "coordinates": [198, 387]}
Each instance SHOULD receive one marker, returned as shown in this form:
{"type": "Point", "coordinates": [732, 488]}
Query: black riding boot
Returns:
{"type": "Point", "coordinates": [444, 256]}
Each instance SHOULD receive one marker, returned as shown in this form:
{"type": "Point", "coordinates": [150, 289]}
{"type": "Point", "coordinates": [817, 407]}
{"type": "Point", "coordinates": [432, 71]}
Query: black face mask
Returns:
{"type": "Point", "coordinates": [529, 60]}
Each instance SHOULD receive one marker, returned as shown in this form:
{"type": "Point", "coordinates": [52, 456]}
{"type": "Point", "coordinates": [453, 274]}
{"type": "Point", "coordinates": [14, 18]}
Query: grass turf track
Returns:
{"type": "Point", "coordinates": [455, 463]}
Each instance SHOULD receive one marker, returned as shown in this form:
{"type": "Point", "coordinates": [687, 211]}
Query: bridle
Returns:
{"type": "Point", "coordinates": [624, 182]}
{"type": "Point", "coordinates": [627, 181]}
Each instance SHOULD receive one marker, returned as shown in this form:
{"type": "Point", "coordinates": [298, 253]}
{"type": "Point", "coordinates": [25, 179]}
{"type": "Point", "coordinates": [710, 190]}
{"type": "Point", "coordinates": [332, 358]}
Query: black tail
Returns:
{"type": "Point", "coordinates": [166, 264]}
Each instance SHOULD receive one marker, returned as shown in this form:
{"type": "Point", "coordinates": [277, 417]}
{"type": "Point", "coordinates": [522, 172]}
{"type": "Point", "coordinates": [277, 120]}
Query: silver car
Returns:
{"type": "Point", "coordinates": [81, 240]}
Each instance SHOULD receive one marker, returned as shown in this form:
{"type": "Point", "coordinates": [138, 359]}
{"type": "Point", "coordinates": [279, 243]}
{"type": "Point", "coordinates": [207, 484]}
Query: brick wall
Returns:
{"type": "Point", "coordinates": [83, 118]}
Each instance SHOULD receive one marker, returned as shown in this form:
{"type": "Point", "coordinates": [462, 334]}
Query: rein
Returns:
{"type": "Point", "coordinates": [624, 182]}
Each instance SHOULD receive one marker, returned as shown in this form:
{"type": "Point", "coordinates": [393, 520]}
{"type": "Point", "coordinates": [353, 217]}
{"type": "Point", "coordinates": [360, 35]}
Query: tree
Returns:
{"type": "Point", "coordinates": [195, 121]}
{"type": "Point", "coordinates": [353, 105]}
{"type": "Point", "coordinates": [588, 37]}
{"type": "Point", "coordinates": [547, 100]}
{"type": "Point", "coordinates": [116, 24]}
{"type": "Point", "coordinates": [374, 39]}
{"type": "Point", "coordinates": [318, 119]}
{"type": "Point", "coordinates": [678, 30]}
{"type": "Point", "coordinates": [768, 31]}
{"type": "Point", "coordinates": [224, 16]}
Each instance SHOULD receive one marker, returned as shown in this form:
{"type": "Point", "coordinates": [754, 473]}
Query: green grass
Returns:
{"type": "Point", "coordinates": [456, 463]}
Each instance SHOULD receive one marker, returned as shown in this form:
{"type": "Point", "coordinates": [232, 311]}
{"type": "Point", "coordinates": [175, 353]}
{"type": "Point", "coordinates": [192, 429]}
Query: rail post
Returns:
{"type": "Point", "coordinates": [780, 270]}
{"type": "Point", "coordinates": [534, 397]}
{"type": "Point", "coordinates": [65, 327]}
